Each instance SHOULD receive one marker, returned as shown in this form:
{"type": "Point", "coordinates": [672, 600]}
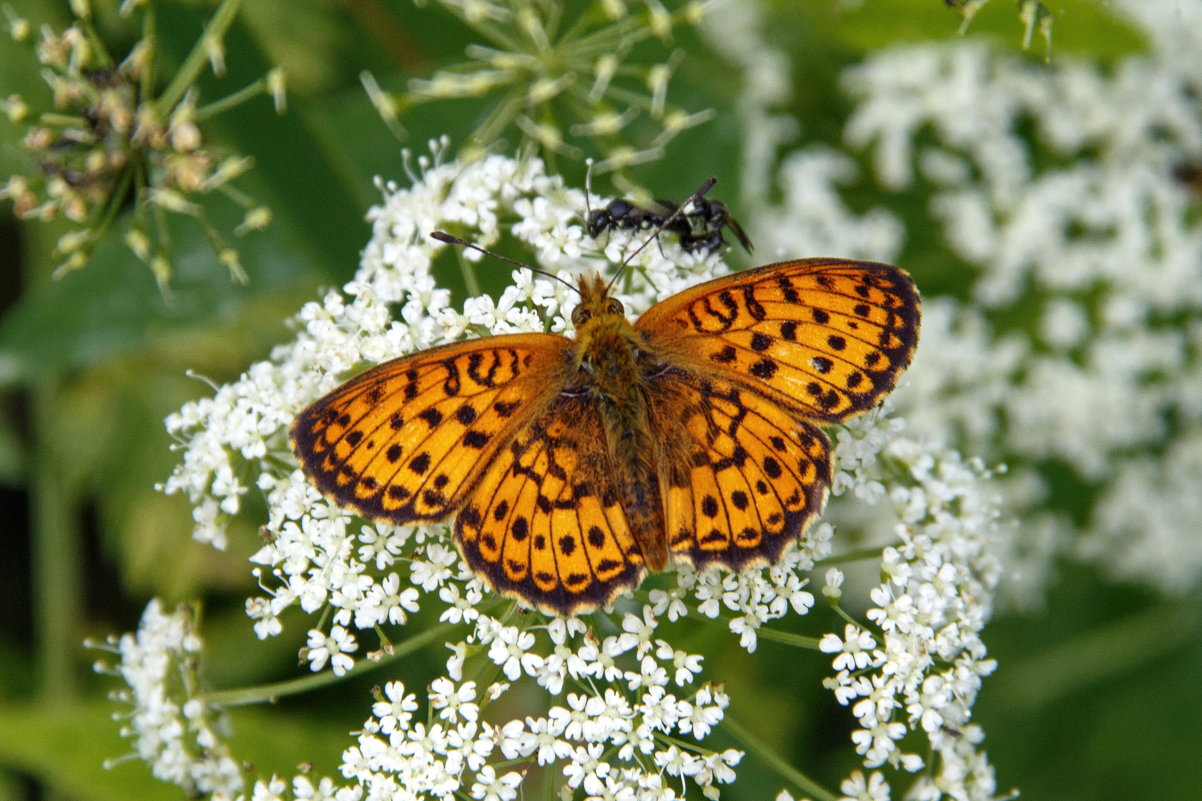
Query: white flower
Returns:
{"type": "Point", "coordinates": [396, 712]}
{"type": "Point", "coordinates": [490, 787]}
{"type": "Point", "coordinates": [833, 588]}
{"type": "Point", "coordinates": [686, 665]}
{"type": "Point", "coordinates": [303, 789]}
{"type": "Point", "coordinates": [332, 647]}
{"type": "Point", "coordinates": [175, 733]}
{"type": "Point", "coordinates": [454, 701]}
{"type": "Point", "coordinates": [677, 762]}
{"type": "Point", "coordinates": [511, 650]}
{"type": "Point", "coordinates": [455, 661]}
{"type": "Point", "coordinates": [638, 632]}
{"type": "Point", "coordinates": [857, 787]}
{"type": "Point", "coordinates": [705, 711]}
{"type": "Point", "coordinates": [585, 763]}
{"type": "Point", "coordinates": [854, 650]}
{"type": "Point", "coordinates": [571, 720]}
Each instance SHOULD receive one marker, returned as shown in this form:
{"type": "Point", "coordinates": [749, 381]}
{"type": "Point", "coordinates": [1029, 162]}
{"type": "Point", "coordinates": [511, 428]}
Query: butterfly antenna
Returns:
{"type": "Point", "coordinates": [443, 236]}
{"type": "Point", "coordinates": [588, 189]}
{"type": "Point", "coordinates": [695, 197]}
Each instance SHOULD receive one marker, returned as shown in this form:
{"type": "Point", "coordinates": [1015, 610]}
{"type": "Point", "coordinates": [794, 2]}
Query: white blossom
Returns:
{"type": "Point", "coordinates": [170, 727]}
{"type": "Point", "coordinates": [1104, 379]}
{"type": "Point", "coordinates": [612, 703]}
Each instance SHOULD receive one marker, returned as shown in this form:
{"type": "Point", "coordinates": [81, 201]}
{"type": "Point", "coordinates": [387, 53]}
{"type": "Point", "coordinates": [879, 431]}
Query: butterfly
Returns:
{"type": "Point", "coordinates": [574, 466]}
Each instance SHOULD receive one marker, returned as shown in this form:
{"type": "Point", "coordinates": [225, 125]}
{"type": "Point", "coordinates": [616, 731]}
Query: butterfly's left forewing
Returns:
{"type": "Point", "coordinates": [825, 337]}
{"type": "Point", "coordinates": [407, 440]}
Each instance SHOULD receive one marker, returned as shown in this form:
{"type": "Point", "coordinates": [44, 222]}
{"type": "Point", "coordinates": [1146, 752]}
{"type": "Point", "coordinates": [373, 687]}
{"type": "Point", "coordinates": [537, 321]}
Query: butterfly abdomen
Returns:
{"type": "Point", "coordinates": [630, 443]}
{"type": "Point", "coordinates": [644, 510]}
{"type": "Point", "coordinates": [609, 356]}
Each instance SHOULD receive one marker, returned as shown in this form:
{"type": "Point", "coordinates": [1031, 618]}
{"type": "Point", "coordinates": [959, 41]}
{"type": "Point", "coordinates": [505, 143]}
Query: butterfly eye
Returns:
{"type": "Point", "coordinates": [580, 315]}
{"type": "Point", "coordinates": [614, 306]}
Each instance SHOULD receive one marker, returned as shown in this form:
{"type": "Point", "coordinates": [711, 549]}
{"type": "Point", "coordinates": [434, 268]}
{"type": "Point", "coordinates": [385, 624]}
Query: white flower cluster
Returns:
{"type": "Point", "coordinates": [619, 735]}
{"type": "Point", "coordinates": [621, 710]}
{"type": "Point", "coordinates": [1066, 190]}
{"type": "Point", "coordinates": [316, 555]}
{"type": "Point", "coordinates": [918, 666]}
{"type": "Point", "coordinates": [173, 730]}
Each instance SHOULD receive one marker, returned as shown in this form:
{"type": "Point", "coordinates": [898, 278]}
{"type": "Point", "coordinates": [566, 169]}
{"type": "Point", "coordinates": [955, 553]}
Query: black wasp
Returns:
{"type": "Point", "coordinates": [698, 228]}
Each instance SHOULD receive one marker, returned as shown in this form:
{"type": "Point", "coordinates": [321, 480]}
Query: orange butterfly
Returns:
{"type": "Point", "coordinates": [576, 465]}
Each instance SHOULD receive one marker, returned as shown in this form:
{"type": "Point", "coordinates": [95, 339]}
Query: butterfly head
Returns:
{"type": "Point", "coordinates": [607, 345]}
{"type": "Point", "coordinates": [595, 302]}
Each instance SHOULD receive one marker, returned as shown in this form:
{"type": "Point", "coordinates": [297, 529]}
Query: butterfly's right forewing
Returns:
{"type": "Point", "coordinates": [407, 440]}
{"type": "Point", "coordinates": [826, 337]}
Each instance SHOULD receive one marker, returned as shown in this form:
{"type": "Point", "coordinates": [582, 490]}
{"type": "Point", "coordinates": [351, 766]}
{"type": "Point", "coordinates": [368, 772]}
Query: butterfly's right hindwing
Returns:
{"type": "Point", "coordinates": [743, 477]}
{"type": "Point", "coordinates": [407, 440]}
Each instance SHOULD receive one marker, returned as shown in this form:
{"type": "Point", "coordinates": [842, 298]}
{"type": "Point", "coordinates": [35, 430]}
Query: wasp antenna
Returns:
{"type": "Point", "coordinates": [451, 239]}
{"type": "Point", "coordinates": [690, 200]}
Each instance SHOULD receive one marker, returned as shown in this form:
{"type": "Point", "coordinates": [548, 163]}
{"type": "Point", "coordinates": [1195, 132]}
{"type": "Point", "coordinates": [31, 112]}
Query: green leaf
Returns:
{"type": "Point", "coordinates": [1080, 26]}
{"type": "Point", "coordinates": [65, 748]}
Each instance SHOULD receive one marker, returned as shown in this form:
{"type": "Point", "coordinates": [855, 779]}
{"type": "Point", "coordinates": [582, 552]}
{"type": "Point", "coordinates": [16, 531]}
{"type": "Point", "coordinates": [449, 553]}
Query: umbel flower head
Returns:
{"type": "Point", "coordinates": [564, 78]}
{"type": "Point", "coordinates": [613, 704]}
{"type": "Point", "coordinates": [113, 133]}
{"type": "Point", "coordinates": [1078, 355]}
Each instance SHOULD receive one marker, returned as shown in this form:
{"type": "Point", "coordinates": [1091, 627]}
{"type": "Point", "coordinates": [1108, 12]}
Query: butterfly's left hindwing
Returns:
{"type": "Point", "coordinates": [545, 522]}
{"type": "Point", "coordinates": [405, 441]}
{"type": "Point", "coordinates": [825, 337]}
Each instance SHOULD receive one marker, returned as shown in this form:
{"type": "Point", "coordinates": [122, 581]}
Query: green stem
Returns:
{"type": "Point", "coordinates": [785, 637]}
{"type": "Point", "coordinates": [94, 40]}
{"type": "Point", "coordinates": [470, 280]}
{"type": "Point", "coordinates": [116, 202]}
{"type": "Point", "coordinates": [757, 748]}
{"type": "Point", "coordinates": [487, 29]}
{"type": "Point", "coordinates": [854, 556]}
{"type": "Point", "coordinates": [63, 120]}
{"type": "Point", "coordinates": [230, 101]}
{"type": "Point", "coordinates": [788, 638]}
{"type": "Point", "coordinates": [194, 64]}
{"type": "Point", "coordinates": [149, 28]}
{"type": "Point", "coordinates": [851, 620]}
{"type": "Point", "coordinates": [57, 556]}
{"type": "Point", "coordinates": [271, 692]}
{"type": "Point", "coordinates": [502, 114]}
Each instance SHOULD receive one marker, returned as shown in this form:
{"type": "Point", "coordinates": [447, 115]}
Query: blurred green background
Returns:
{"type": "Point", "coordinates": [1097, 696]}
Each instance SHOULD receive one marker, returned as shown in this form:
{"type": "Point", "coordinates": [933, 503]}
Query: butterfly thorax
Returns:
{"type": "Point", "coordinates": [608, 361]}
{"type": "Point", "coordinates": [608, 348]}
